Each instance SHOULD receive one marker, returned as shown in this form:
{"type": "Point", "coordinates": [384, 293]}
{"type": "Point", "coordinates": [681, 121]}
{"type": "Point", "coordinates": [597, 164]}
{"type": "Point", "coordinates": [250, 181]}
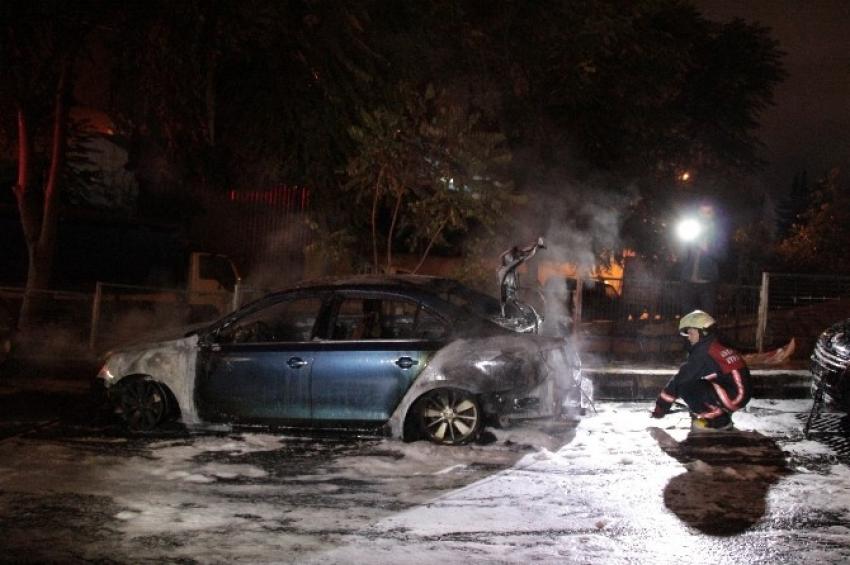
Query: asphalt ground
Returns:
{"type": "Point", "coordinates": [610, 490]}
{"type": "Point", "coordinates": [77, 488]}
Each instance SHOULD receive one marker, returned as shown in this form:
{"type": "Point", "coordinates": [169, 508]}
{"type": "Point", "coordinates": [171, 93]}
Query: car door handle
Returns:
{"type": "Point", "coordinates": [406, 362]}
{"type": "Point", "coordinates": [296, 362]}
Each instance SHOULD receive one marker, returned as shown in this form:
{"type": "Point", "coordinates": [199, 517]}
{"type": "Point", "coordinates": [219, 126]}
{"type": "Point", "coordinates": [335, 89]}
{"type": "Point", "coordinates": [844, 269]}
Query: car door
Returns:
{"type": "Point", "coordinates": [377, 345]}
{"type": "Point", "coordinates": [257, 367]}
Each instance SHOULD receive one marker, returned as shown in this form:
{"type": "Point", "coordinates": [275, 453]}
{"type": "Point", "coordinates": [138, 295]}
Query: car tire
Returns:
{"type": "Point", "coordinates": [144, 404]}
{"type": "Point", "coordinates": [449, 416]}
{"type": "Point", "coordinates": [503, 421]}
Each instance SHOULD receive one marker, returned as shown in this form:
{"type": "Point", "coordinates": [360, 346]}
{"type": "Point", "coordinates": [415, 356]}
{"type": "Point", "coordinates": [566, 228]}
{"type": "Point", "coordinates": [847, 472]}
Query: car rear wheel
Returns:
{"type": "Point", "coordinates": [449, 416]}
{"type": "Point", "coordinates": [144, 404]}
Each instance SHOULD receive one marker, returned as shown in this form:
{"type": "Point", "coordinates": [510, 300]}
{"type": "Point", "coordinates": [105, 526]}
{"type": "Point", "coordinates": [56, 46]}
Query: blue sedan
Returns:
{"type": "Point", "coordinates": [414, 356]}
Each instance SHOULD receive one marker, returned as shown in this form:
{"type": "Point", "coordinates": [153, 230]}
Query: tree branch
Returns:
{"type": "Point", "coordinates": [57, 159]}
{"type": "Point", "coordinates": [375, 220]}
{"type": "Point", "coordinates": [22, 189]}
{"type": "Point", "coordinates": [430, 244]}
{"type": "Point", "coordinates": [399, 196]}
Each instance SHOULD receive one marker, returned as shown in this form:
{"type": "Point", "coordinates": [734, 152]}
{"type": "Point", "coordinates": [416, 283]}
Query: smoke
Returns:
{"type": "Point", "coordinates": [280, 261]}
{"type": "Point", "coordinates": [582, 224]}
{"type": "Point", "coordinates": [51, 342]}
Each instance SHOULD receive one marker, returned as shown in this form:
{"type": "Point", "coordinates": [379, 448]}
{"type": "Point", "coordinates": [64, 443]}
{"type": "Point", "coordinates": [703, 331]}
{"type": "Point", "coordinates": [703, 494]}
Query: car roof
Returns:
{"type": "Point", "coordinates": [429, 289]}
{"type": "Point", "coordinates": [422, 282]}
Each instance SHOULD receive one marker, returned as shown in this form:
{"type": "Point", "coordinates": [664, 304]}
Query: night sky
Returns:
{"type": "Point", "coordinates": [809, 128]}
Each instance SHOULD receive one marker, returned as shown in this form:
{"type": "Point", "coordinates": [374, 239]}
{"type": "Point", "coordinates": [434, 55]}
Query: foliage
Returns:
{"type": "Point", "coordinates": [817, 243]}
{"type": "Point", "coordinates": [794, 204]}
{"type": "Point", "coordinates": [428, 169]}
{"type": "Point", "coordinates": [416, 124]}
{"type": "Point", "coordinates": [332, 250]}
{"type": "Point", "coordinates": [240, 94]}
{"type": "Point", "coordinates": [637, 94]}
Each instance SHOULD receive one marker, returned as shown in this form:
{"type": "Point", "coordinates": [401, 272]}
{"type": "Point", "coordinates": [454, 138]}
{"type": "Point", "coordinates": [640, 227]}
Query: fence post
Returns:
{"type": "Point", "coordinates": [764, 298]}
{"type": "Point", "coordinates": [95, 314]}
{"type": "Point", "coordinates": [236, 299]}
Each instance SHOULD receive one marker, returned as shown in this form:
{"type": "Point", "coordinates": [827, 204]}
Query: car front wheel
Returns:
{"type": "Point", "coordinates": [143, 404]}
{"type": "Point", "coordinates": [449, 416]}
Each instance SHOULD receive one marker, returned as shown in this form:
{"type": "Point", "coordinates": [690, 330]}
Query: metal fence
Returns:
{"type": "Point", "coordinates": [793, 291]}
{"type": "Point", "coordinates": [58, 321]}
{"type": "Point", "coordinates": [617, 317]}
{"type": "Point", "coordinates": [639, 317]}
{"type": "Point", "coordinates": [800, 306]}
{"type": "Point", "coordinates": [77, 324]}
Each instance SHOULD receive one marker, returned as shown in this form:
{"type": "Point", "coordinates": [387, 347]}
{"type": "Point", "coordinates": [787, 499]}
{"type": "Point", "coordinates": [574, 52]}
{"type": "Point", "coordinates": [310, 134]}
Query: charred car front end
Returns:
{"type": "Point", "coordinates": [416, 356]}
{"type": "Point", "coordinates": [829, 364]}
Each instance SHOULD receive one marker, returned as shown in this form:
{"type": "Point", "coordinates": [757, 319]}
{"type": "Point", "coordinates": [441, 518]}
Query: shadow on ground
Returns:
{"type": "Point", "coordinates": [724, 490]}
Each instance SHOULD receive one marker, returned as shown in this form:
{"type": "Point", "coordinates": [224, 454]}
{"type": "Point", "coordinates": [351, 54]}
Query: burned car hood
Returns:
{"type": "Point", "coordinates": [159, 339]}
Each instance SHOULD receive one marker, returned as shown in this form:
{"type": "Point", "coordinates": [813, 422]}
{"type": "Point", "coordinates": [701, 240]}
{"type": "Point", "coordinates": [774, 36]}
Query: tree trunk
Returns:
{"type": "Point", "coordinates": [40, 232]}
{"type": "Point", "coordinates": [375, 201]}
{"type": "Point", "coordinates": [430, 245]}
{"type": "Point", "coordinates": [399, 195]}
{"type": "Point", "coordinates": [26, 207]}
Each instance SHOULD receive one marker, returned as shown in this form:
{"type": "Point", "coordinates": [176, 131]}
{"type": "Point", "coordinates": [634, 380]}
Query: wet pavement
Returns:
{"type": "Point", "coordinates": [617, 487]}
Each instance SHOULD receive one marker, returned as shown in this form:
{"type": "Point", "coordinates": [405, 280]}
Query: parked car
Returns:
{"type": "Point", "coordinates": [417, 356]}
{"type": "Point", "coordinates": [829, 364]}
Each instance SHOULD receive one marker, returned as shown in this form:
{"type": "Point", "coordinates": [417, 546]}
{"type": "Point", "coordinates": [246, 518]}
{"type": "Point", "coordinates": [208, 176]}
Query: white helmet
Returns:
{"type": "Point", "coordinates": [696, 319]}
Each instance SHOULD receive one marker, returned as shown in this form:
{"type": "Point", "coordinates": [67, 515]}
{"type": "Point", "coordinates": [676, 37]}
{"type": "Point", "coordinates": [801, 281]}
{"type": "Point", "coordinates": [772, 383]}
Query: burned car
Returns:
{"type": "Point", "coordinates": [829, 364]}
{"type": "Point", "coordinates": [415, 356]}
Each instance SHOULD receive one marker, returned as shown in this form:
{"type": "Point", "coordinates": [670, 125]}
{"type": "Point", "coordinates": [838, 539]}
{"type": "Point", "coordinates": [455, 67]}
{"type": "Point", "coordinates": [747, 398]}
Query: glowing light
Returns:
{"type": "Point", "coordinates": [688, 229]}
{"type": "Point", "coordinates": [685, 177]}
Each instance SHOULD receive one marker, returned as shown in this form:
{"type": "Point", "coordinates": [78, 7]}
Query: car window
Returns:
{"type": "Point", "coordinates": [287, 321]}
{"type": "Point", "coordinates": [360, 318]}
{"type": "Point", "coordinates": [429, 327]}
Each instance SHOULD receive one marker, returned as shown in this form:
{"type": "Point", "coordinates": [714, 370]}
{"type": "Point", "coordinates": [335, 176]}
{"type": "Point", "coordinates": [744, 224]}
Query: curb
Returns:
{"type": "Point", "coordinates": [624, 383]}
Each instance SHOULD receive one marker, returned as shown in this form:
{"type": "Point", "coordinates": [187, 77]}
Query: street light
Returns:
{"type": "Point", "coordinates": [688, 230]}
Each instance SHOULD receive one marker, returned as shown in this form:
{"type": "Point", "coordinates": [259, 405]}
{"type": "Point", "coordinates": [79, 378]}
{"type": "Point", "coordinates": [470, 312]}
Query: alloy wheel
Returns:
{"type": "Point", "coordinates": [450, 416]}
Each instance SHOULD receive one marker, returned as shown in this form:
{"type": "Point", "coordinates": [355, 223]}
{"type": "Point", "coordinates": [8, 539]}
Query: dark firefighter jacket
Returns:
{"type": "Point", "coordinates": [713, 381]}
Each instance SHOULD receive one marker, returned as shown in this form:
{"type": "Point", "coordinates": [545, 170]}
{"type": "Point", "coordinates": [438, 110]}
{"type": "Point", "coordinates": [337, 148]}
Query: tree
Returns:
{"type": "Point", "coordinates": [428, 167]}
{"type": "Point", "coordinates": [817, 242]}
{"type": "Point", "coordinates": [556, 99]}
{"type": "Point", "coordinates": [625, 98]}
{"type": "Point", "coordinates": [41, 44]}
{"type": "Point", "coordinates": [794, 204]}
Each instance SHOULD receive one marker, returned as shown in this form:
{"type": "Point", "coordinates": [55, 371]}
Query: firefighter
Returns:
{"type": "Point", "coordinates": [714, 381]}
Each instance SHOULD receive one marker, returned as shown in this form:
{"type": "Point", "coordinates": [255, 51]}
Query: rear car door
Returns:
{"type": "Point", "coordinates": [257, 368]}
{"type": "Point", "coordinates": [377, 345]}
